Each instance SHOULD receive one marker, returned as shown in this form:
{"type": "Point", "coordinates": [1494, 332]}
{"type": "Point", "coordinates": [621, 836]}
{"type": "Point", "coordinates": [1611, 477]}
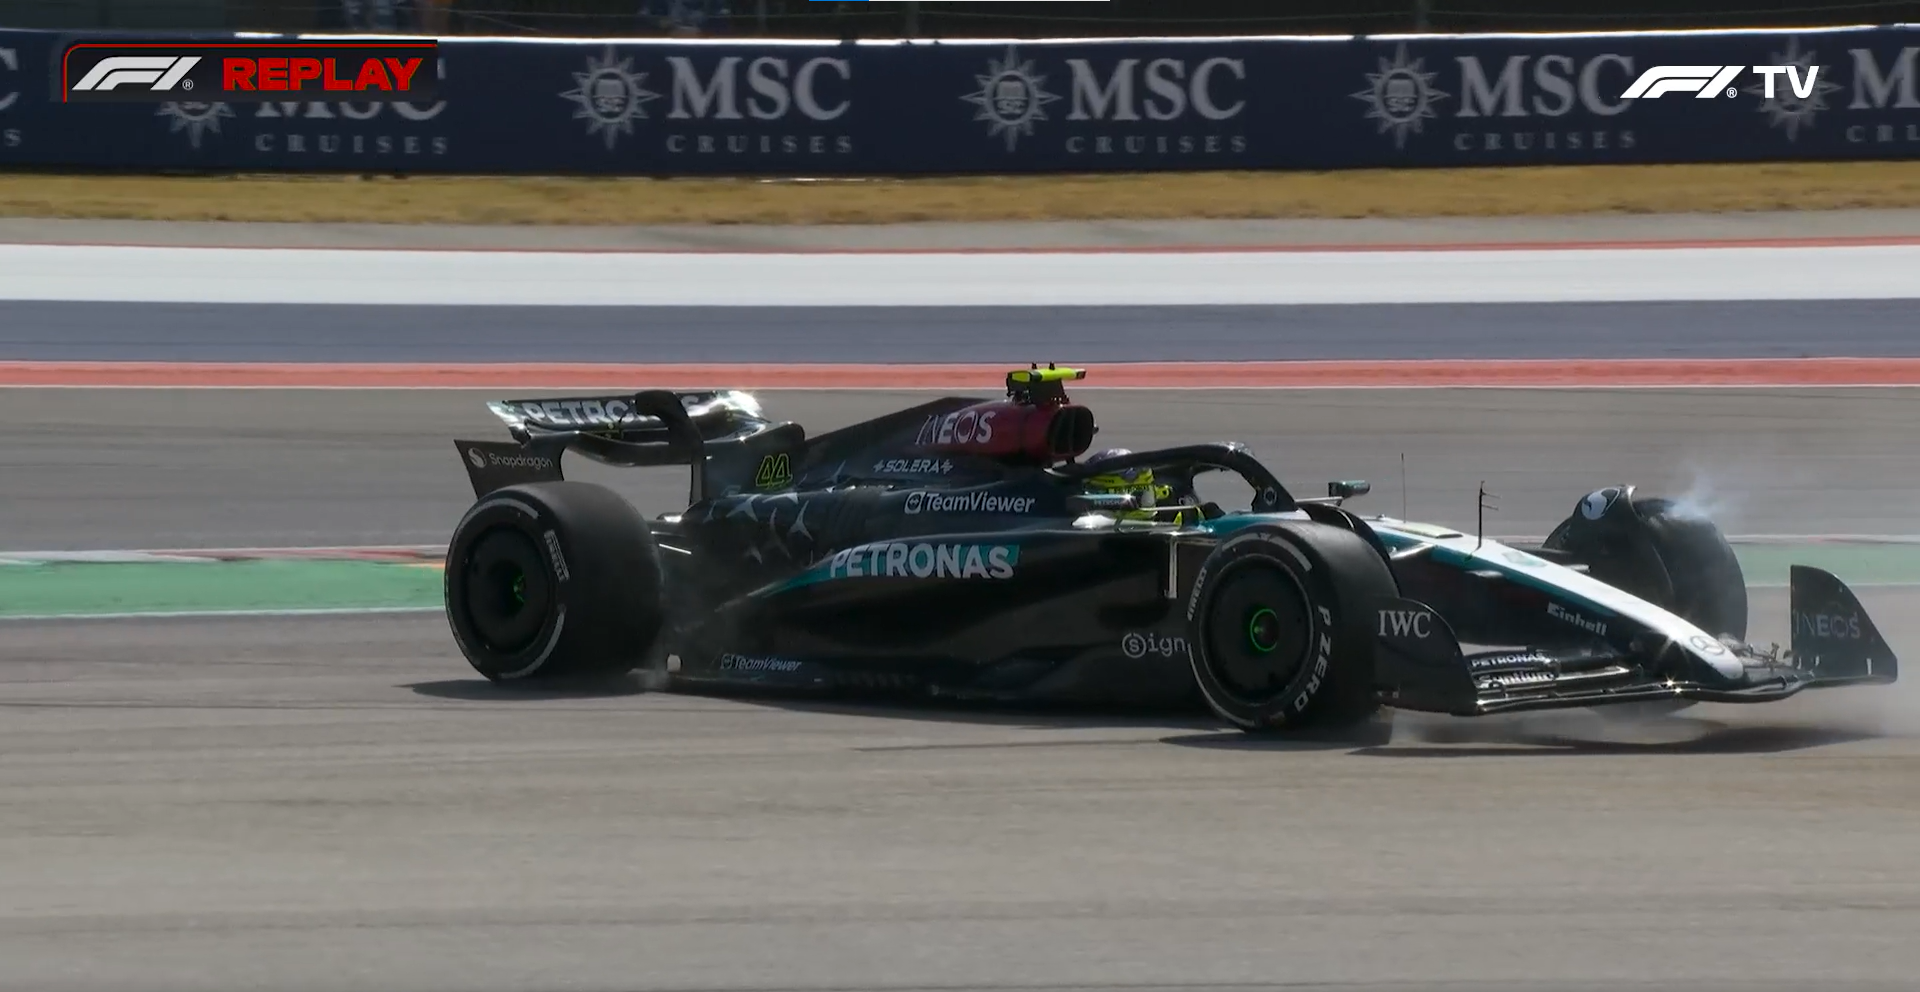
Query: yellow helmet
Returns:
{"type": "Point", "coordinates": [1135, 482]}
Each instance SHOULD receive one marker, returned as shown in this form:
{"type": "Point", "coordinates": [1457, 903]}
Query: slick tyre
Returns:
{"type": "Point", "coordinates": [1278, 627]}
{"type": "Point", "coordinates": [553, 580]}
{"type": "Point", "coordinates": [1673, 559]}
{"type": "Point", "coordinates": [1676, 560]}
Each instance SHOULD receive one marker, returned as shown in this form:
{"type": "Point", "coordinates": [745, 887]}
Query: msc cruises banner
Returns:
{"type": "Point", "coordinates": [689, 107]}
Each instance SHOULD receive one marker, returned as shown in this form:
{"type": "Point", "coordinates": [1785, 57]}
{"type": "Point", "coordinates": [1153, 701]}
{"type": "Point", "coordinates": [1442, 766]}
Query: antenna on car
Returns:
{"type": "Point", "coordinates": [1480, 537]}
{"type": "Point", "coordinates": [1403, 485]}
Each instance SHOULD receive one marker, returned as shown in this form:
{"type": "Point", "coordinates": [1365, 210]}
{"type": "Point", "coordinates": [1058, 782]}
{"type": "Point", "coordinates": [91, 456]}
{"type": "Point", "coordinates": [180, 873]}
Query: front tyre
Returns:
{"type": "Point", "coordinates": [1653, 549]}
{"type": "Point", "coordinates": [553, 580]}
{"type": "Point", "coordinates": [1278, 627]}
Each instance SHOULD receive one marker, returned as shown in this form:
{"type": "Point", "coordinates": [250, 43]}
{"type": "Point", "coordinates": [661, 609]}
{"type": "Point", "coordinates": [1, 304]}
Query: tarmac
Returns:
{"type": "Point", "coordinates": [341, 804]}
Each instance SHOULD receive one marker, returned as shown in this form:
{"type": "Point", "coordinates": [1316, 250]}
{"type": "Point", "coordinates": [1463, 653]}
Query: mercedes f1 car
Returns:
{"type": "Point", "coordinates": [967, 548]}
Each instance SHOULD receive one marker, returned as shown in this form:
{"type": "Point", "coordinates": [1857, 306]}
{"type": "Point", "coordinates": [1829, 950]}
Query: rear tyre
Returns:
{"type": "Point", "coordinates": [553, 580]}
{"type": "Point", "coordinates": [1278, 627]}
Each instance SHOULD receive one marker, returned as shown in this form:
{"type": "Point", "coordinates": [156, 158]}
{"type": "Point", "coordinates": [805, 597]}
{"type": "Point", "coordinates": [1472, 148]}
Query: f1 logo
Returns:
{"type": "Point", "coordinates": [1706, 81]}
{"type": "Point", "coordinates": [162, 71]}
{"type": "Point", "coordinates": [1400, 623]}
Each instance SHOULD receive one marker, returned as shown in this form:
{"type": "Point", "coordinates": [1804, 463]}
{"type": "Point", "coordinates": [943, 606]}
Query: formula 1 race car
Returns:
{"type": "Point", "coordinates": [965, 549]}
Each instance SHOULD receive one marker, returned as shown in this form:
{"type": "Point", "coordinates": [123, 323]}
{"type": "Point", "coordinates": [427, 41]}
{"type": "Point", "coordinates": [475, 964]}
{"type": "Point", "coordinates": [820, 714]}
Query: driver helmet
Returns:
{"type": "Point", "coordinates": [1137, 481]}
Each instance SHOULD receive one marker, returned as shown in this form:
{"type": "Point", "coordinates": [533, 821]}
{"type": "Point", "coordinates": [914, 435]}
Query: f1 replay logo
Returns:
{"type": "Point", "coordinates": [1707, 81]}
{"type": "Point", "coordinates": [160, 73]}
{"type": "Point", "coordinates": [210, 72]}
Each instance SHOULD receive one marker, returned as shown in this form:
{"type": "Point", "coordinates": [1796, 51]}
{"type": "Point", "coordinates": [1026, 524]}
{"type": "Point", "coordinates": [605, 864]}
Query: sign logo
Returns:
{"type": "Point", "coordinates": [1138, 644]}
{"type": "Point", "coordinates": [1401, 623]}
{"type": "Point", "coordinates": [961, 427]}
{"type": "Point", "coordinates": [1596, 504]}
{"type": "Point", "coordinates": [559, 560]}
{"type": "Point", "coordinates": [10, 60]}
{"type": "Point", "coordinates": [1706, 82]}
{"type": "Point", "coordinates": [925, 561]}
{"type": "Point", "coordinates": [1827, 626]}
{"type": "Point", "coordinates": [912, 466]}
{"type": "Point", "coordinates": [921, 501]}
{"type": "Point", "coordinates": [1558, 612]}
{"type": "Point", "coordinates": [775, 472]}
{"type": "Point", "coordinates": [1790, 108]}
{"type": "Point", "coordinates": [1706, 645]}
{"type": "Point", "coordinates": [1401, 96]}
{"type": "Point", "coordinates": [743, 663]}
{"type": "Point", "coordinates": [1012, 97]}
{"type": "Point", "coordinates": [610, 96]}
{"type": "Point", "coordinates": [247, 71]}
{"type": "Point", "coordinates": [194, 118]}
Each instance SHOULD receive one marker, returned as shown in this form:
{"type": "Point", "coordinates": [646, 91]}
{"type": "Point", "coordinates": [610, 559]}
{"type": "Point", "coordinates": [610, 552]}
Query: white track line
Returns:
{"type": "Point", "coordinates": [380, 277]}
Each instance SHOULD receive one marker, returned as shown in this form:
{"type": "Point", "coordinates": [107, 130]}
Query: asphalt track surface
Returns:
{"type": "Point", "coordinates": [340, 804]}
{"type": "Point", "coordinates": [192, 332]}
{"type": "Point", "coordinates": [147, 468]}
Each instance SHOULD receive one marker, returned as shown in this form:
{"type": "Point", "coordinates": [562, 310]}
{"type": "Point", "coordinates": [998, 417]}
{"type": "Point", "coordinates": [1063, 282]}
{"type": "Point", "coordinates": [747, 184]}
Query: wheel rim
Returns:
{"type": "Point", "coordinates": [507, 592]}
{"type": "Point", "coordinates": [1258, 631]}
{"type": "Point", "coordinates": [1263, 630]}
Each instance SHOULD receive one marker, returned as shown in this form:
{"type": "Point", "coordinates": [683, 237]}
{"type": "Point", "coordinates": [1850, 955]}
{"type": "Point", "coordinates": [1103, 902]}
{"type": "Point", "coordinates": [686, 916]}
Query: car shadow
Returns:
{"type": "Point", "coordinates": [480, 690]}
{"type": "Point", "coordinates": [1416, 738]}
{"type": "Point", "coordinates": [1376, 733]}
{"type": "Point", "coordinates": [1026, 716]}
{"type": "Point", "coordinates": [1036, 716]}
{"type": "Point", "coordinates": [1724, 740]}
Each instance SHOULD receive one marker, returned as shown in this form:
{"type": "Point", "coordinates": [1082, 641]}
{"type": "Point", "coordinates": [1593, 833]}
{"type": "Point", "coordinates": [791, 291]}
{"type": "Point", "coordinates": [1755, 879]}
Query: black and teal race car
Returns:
{"type": "Point", "coordinates": [967, 548]}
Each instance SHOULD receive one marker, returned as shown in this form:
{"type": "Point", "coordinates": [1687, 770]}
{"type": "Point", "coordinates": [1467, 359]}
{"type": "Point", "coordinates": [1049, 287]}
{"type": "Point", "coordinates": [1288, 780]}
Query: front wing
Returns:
{"type": "Point", "coordinates": [1421, 664]}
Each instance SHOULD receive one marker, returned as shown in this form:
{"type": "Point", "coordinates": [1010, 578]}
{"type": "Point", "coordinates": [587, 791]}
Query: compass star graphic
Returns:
{"type": "Point", "coordinates": [194, 118]}
{"type": "Point", "coordinates": [1011, 97]}
{"type": "Point", "coordinates": [610, 96]}
{"type": "Point", "coordinates": [1784, 109]}
{"type": "Point", "coordinates": [1401, 95]}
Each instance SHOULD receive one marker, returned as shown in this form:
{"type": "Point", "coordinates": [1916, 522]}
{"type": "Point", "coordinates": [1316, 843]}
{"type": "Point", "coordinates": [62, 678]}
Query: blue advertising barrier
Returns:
{"type": "Point", "coordinates": [703, 107]}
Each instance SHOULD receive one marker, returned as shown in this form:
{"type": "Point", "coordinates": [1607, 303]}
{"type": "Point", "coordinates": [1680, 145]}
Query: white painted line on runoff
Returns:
{"type": "Point", "coordinates": [499, 278]}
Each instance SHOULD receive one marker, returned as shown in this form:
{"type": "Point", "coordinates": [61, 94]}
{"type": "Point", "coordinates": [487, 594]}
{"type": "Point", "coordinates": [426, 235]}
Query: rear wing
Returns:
{"type": "Point", "coordinates": [721, 435]}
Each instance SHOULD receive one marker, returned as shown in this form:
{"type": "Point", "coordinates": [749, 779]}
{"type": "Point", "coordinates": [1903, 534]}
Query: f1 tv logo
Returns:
{"type": "Point", "coordinates": [160, 73]}
{"type": "Point", "coordinates": [1706, 81]}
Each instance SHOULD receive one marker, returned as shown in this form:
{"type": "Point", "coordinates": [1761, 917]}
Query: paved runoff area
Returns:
{"type": "Point", "coordinates": [229, 803]}
{"type": "Point", "coordinates": [336, 801]}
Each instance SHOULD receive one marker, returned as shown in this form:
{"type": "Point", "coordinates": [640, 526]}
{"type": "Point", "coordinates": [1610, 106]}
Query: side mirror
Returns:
{"type": "Point", "coordinates": [1348, 489]}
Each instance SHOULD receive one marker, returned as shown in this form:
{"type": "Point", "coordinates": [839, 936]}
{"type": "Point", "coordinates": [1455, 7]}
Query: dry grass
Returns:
{"type": "Point", "coordinates": [1377, 193]}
